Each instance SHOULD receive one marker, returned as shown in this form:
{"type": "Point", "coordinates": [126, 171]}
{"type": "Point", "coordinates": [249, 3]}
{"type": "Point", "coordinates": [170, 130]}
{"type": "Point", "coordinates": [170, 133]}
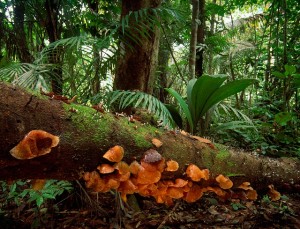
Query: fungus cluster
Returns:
{"type": "Point", "coordinates": [144, 178]}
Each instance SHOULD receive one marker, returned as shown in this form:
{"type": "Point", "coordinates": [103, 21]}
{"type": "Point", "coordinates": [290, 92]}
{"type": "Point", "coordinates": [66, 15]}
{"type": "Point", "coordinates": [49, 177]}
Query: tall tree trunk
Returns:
{"type": "Point", "coordinates": [94, 7]}
{"type": "Point", "coordinates": [163, 59]}
{"type": "Point", "coordinates": [55, 57]}
{"type": "Point", "coordinates": [212, 32]}
{"type": "Point", "coordinates": [193, 41]}
{"type": "Point", "coordinates": [86, 134]}
{"type": "Point", "coordinates": [138, 53]}
{"type": "Point", "coordinates": [19, 33]}
{"type": "Point", "coordinates": [200, 39]}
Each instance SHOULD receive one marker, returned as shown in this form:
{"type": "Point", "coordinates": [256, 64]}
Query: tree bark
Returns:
{"type": "Point", "coordinates": [200, 40]}
{"type": "Point", "coordinates": [55, 56]}
{"type": "Point", "coordinates": [138, 51]}
{"type": "Point", "coordinates": [193, 41]}
{"type": "Point", "coordinates": [19, 33]}
{"type": "Point", "coordinates": [86, 134]}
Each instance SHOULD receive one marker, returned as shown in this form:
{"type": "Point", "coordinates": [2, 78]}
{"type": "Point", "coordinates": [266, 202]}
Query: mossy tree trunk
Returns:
{"type": "Point", "coordinates": [85, 135]}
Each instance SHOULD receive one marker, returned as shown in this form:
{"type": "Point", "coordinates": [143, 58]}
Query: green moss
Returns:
{"type": "Point", "coordinates": [140, 134]}
{"type": "Point", "coordinates": [36, 93]}
{"type": "Point", "coordinates": [103, 126]}
{"type": "Point", "coordinates": [85, 118]}
{"type": "Point", "coordinates": [223, 155]}
{"type": "Point", "coordinates": [230, 163]}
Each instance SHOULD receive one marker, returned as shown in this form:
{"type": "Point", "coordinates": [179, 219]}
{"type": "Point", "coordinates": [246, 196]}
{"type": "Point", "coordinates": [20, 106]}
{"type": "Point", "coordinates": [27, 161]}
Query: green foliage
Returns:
{"type": "Point", "coordinates": [20, 192]}
{"type": "Point", "coordinates": [205, 92]}
{"type": "Point", "coordinates": [140, 99]}
{"type": "Point", "coordinates": [237, 206]}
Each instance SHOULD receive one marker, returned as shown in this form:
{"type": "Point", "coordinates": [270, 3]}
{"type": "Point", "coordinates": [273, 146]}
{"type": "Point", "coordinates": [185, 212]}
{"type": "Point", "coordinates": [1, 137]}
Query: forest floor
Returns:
{"type": "Point", "coordinates": [107, 211]}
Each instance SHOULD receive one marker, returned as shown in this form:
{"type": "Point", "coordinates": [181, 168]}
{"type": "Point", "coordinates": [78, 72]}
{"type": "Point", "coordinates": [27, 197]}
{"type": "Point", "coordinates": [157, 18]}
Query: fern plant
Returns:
{"type": "Point", "coordinates": [145, 101]}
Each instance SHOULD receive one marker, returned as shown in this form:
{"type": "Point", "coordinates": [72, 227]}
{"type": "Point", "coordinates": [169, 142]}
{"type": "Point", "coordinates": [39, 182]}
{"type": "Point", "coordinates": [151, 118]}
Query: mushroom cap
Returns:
{"type": "Point", "coordinates": [197, 174]}
{"type": "Point", "coordinates": [105, 168]}
{"type": "Point", "coordinates": [114, 154]}
{"type": "Point", "coordinates": [172, 166]}
{"type": "Point", "coordinates": [145, 176]}
{"type": "Point", "coordinates": [134, 167]}
{"type": "Point", "coordinates": [194, 194]}
{"type": "Point", "coordinates": [175, 193]}
{"type": "Point", "coordinates": [245, 186]}
{"type": "Point", "coordinates": [224, 182]}
{"type": "Point", "coordinates": [274, 195]}
{"type": "Point", "coordinates": [251, 195]}
{"type": "Point", "coordinates": [216, 190]}
{"type": "Point", "coordinates": [156, 142]}
{"type": "Point", "coordinates": [122, 167]}
{"type": "Point", "coordinates": [36, 143]}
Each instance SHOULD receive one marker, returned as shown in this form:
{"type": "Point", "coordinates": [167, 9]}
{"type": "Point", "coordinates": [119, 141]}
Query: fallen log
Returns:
{"type": "Point", "coordinates": [86, 134]}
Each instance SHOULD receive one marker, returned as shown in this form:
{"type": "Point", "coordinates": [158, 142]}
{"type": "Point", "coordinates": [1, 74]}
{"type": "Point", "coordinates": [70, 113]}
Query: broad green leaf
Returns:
{"type": "Point", "coordinates": [189, 89]}
{"type": "Point", "coordinates": [202, 91]}
{"type": "Point", "coordinates": [290, 69]}
{"type": "Point", "coordinates": [283, 118]}
{"type": "Point", "coordinates": [175, 115]}
{"type": "Point", "coordinates": [296, 83]}
{"type": "Point", "coordinates": [183, 105]}
{"type": "Point", "coordinates": [225, 91]}
{"type": "Point", "coordinates": [279, 75]}
{"type": "Point", "coordinates": [39, 201]}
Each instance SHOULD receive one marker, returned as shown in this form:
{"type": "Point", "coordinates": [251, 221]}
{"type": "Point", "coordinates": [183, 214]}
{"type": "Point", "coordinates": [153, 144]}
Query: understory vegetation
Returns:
{"type": "Point", "coordinates": [241, 89]}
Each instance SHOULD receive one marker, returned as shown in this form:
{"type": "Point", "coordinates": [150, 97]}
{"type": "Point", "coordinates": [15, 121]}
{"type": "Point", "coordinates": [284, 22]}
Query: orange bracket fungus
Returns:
{"type": "Point", "coordinates": [36, 143]}
{"type": "Point", "coordinates": [224, 182]}
{"type": "Point", "coordinates": [274, 195]}
{"type": "Point", "coordinates": [114, 154]}
{"type": "Point", "coordinates": [156, 142]}
{"type": "Point", "coordinates": [172, 166]}
{"type": "Point", "coordinates": [197, 174]}
{"type": "Point", "coordinates": [145, 178]}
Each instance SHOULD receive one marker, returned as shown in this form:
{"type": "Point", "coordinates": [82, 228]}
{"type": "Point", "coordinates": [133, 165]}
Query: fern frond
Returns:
{"type": "Point", "coordinates": [229, 122]}
{"type": "Point", "coordinates": [142, 100]}
{"type": "Point", "coordinates": [233, 125]}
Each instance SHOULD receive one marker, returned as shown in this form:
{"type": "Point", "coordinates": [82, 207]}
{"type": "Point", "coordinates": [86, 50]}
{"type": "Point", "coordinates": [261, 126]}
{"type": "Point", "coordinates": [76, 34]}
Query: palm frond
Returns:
{"type": "Point", "coordinates": [31, 76]}
{"type": "Point", "coordinates": [142, 100]}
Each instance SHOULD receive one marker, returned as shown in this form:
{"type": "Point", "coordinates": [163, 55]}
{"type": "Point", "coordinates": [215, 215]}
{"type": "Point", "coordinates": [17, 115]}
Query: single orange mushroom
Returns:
{"type": "Point", "coordinates": [172, 166]}
{"type": "Point", "coordinates": [179, 183]}
{"type": "Point", "coordinates": [216, 190]}
{"type": "Point", "coordinates": [224, 182]}
{"type": "Point", "coordinates": [111, 182]}
{"type": "Point", "coordinates": [134, 167]}
{"type": "Point", "coordinates": [251, 195]}
{"type": "Point", "coordinates": [36, 143]}
{"type": "Point", "coordinates": [38, 184]}
{"type": "Point", "coordinates": [156, 142]}
{"type": "Point", "coordinates": [274, 195]}
{"type": "Point", "coordinates": [93, 181]}
{"type": "Point", "coordinates": [197, 174]}
{"type": "Point", "coordinates": [194, 194]}
{"type": "Point", "coordinates": [114, 154]}
{"type": "Point", "coordinates": [175, 193]}
{"type": "Point", "coordinates": [145, 176]}
{"type": "Point", "coordinates": [127, 187]}
{"type": "Point", "coordinates": [105, 168]}
{"type": "Point", "coordinates": [245, 186]}
{"type": "Point", "coordinates": [122, 167]}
